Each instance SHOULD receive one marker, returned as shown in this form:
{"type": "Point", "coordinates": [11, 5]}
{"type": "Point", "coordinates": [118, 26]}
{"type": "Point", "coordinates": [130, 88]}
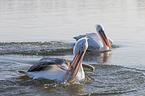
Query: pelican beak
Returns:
{"type": "Point", "coordinates": [101, 32]}
{"type": "Point", "coordinates": [74, 67]}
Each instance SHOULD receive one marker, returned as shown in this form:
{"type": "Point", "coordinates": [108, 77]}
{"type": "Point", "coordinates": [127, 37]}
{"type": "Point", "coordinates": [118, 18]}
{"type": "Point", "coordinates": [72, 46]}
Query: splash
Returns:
{"type": "Point", "coordinates": [35, 48]}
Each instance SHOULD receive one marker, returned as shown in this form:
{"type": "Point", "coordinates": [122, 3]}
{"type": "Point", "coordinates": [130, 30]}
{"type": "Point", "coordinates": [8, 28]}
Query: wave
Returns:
{"type": "Point", "coordinates": [35, 48]}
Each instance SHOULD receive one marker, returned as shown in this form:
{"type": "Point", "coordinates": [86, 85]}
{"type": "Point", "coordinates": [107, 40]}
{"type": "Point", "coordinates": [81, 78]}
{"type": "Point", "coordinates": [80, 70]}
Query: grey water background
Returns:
{"type": "Point", "coordinates": [40, 28]}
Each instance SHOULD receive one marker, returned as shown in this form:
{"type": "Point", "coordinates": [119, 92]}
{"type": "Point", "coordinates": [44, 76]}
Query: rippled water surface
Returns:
{"type": "Point", "coordinates": [32, 29]}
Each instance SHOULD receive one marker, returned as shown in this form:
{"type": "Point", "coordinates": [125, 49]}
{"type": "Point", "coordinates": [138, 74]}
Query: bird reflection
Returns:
{"type": "Point", "coordinates": [97, 57]}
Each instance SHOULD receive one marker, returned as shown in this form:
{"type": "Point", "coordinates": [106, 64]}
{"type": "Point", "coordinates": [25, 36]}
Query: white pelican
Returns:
{"type": "Point", "coordinates": [58, 69]}
{"type": "Point", "coordinates": [97, 41]}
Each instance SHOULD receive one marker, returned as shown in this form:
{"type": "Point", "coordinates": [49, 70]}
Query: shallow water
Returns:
{"type": "Point", "coordinates": [38, 28]}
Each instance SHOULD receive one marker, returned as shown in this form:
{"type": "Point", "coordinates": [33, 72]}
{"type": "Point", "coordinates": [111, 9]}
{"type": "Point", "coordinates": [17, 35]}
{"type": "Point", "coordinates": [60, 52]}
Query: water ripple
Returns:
{"type": "Point", "coordinates": [34, 48]}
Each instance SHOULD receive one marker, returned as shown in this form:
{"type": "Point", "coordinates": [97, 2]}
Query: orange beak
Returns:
{"type": "Point", "coordinates": [74, 67]}
{"type": "Point", "coordinates": [104, 38]}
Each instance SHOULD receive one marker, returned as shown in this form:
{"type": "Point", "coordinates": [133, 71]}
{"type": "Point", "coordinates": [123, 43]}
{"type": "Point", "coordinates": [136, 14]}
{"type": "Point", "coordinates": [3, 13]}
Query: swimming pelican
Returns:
{"type": "Point", "coordinates": [97, 41]}
{"type": "Point", "coordinates": [58, 69]}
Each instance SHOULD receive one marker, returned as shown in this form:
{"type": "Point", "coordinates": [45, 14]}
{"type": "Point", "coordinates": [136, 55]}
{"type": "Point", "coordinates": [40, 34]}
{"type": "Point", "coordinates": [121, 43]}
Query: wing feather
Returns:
{"type": "Point", "coordinates": [45, 63]}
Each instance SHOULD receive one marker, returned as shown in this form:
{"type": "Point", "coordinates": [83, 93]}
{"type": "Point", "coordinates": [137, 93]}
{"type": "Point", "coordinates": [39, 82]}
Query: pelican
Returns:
{"type": "Point", "coordinates": [58, 69]}
{"type": "Point", "coordinates": [97, 41]}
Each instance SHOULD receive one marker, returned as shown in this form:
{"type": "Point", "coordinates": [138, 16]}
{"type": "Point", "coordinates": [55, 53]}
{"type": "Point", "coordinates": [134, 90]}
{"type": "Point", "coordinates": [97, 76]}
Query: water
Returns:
{"type": "Point", "coordinates": [41, 28]}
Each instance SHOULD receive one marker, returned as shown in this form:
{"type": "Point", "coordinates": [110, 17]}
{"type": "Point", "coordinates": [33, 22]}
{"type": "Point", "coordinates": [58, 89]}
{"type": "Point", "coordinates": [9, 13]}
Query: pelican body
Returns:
{"type": "Point", "coordinates": [49, 68]}
{"type": "Point", "coordinates": [59, 69]}
{"type": "Point", "coordinates": [97, 41]}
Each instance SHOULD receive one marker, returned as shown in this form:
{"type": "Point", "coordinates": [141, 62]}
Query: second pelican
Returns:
{"type": "Point", "coordinates": [97, 41]}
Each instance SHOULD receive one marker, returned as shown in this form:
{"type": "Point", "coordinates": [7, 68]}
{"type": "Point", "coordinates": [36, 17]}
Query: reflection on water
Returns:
{"type": "Point", "coordinates": [97, 57]}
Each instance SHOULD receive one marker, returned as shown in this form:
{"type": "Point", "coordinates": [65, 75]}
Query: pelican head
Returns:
{"type": "Point", "coordinates": [100, 30]}
{"type": "Point", "coordinates": [75, 71]}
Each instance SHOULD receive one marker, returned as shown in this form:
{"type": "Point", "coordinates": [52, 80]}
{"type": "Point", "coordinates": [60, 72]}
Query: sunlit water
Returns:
{"type": "Point", "coordinates": [41, 28]}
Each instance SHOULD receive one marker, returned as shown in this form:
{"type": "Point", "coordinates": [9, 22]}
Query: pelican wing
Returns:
{"type": "Point", "coordinates": [96, 38]}
{"type": "Point", "coordinates": [79, 37]}
{"type": "Point", "coordinates": [88, 67]}
{"type": "Point", "coordinates": [94, 41]}
{"type": "Point", "coordinates": [46, 63]}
